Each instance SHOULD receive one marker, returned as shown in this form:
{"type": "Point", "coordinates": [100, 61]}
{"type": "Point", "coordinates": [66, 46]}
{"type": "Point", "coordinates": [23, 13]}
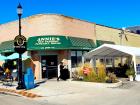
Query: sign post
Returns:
{"type": "Point", "coordinates": [20, 47]}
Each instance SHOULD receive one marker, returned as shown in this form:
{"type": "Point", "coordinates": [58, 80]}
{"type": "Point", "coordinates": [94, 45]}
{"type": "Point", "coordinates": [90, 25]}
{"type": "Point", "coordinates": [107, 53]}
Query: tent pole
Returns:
{"type": "Point", "coordinates": [113, 62]}
{"type": "Point", "coordinates": [134, 63]}
{"type": "Point", "coordinates": [94, 62]}
{"type": "Point", "coordinates": [91, 62]}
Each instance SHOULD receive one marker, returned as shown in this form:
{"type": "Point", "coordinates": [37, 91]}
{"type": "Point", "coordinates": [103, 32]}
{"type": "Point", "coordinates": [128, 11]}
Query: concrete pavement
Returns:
{"type": "Point", "coordinates": [69, 93]}
{"type": "Point", "coordinates": [82, 93]}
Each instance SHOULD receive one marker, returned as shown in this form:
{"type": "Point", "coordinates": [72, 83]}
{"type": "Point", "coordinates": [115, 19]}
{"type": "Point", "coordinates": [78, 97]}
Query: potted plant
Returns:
{"type": "Point", "coordinates": [130, 73]}
{"type": "Point", "coordinates": [111, 78]}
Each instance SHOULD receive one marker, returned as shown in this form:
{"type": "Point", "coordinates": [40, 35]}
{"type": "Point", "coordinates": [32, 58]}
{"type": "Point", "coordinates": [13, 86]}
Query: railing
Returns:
{"type": "Point", "coordinates": [6, 79]}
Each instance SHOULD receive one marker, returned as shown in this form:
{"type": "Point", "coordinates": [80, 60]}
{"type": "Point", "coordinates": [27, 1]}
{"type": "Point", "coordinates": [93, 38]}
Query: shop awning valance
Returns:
{"type": "Point", "coordinates": [81, 43]}
{"type": "Point", "coordinates": [59, 42]}
{"type": "Point", "coordinates": [7, 46]}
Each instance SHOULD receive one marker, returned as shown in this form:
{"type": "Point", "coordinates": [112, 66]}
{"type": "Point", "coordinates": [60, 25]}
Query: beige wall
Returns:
{"type": "Point", "coordinates": [48, 24]}
{"type": "Point", "coordinates": [51, 24]}
{"type": "Point", "coordinates": [107, 34]}
{"type": "Point", "coordinates": [112, 34]}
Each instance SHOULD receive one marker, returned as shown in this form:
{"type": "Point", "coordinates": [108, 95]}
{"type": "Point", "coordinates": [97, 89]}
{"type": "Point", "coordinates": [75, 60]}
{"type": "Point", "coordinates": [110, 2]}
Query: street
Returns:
{"type": "Point", "coordinates": [6, 99]}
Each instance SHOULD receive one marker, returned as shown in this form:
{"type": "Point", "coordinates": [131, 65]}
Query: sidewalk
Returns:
{"type": "Point", "coordinates": [53, 87]}
{"type": "Point", "coordinates": [12, 90]}
{"type": "Point", "coordinates": [76, 92]}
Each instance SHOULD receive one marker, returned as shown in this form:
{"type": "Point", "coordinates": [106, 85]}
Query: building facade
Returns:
{"type": "Point", "coordinates": [134, 29]}
{"type": "Point", "coordinates": [53, 38]}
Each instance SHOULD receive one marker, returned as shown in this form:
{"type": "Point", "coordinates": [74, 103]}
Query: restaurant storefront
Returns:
{"type": "Point", "coordinates": [54, 37]}
{"type": "Point", "coordinates": [48, 51]}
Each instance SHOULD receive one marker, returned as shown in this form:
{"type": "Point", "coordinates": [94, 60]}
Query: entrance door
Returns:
{"type": "Point", "coordinates": [49, 66]}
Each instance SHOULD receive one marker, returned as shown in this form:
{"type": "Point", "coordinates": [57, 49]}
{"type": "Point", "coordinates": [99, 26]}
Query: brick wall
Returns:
{"type": "Point", "coordinates": [48, 25]}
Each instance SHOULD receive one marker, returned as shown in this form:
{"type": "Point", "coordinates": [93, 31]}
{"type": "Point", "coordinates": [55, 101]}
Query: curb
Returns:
{"type": "Point", "coordinates": [103, 85]}
{"type": "Point", "coordinates": [22, 93]}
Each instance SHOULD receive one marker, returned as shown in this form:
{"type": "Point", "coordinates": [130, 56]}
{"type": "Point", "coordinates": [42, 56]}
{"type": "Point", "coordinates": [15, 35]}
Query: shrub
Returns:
{"type": "Point", "coordinates": [85, 72]}
{"type": "Point", "coordinates": [101, 72]}
{"type": "Point", "coordinates": [130, 71]}
{"type": "Point", "coordinates": [91, 77]}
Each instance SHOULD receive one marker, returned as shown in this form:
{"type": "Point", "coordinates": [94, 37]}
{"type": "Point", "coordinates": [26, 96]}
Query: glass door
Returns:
{"type": "Point", "coordinates": [44, 66]}
{"type": "Point", "coordinates": [49, 66]}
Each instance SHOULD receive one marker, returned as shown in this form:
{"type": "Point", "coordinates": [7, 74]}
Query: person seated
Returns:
{"type": "Point", "coordinates": [8, 73]}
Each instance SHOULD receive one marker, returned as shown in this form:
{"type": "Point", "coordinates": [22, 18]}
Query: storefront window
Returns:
{"type": "Point", "coordinates": [79, 53]}
{"type": "Point", "coordinates": [84, 52]}
{"type": "Point", "coordinates": [76, 57]}
{"type": "Point", "coordinates": [73, 53]}
{"type": "Point", "coordinates": [79, 57]}
{"type": "Point", "coordinates": [73, 58]}
{"type": "Point", "coordinates": [74, 61]}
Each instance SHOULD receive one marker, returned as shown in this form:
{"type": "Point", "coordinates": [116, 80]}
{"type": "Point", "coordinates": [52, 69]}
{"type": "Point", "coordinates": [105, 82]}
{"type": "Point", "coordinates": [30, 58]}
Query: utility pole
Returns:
{"type": "Point", "coordinates": [122, 35]}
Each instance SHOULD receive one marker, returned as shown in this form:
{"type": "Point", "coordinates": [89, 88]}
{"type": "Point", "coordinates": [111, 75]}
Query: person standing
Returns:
{"type": "Point", "coordinates": [61, 68]}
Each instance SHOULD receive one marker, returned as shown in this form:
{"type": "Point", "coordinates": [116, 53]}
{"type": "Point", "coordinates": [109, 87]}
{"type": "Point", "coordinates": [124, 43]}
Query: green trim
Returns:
{"type": "Point", "coordinates": [7, 46]}
{"type": "Point", "coordinates": [101, 42]}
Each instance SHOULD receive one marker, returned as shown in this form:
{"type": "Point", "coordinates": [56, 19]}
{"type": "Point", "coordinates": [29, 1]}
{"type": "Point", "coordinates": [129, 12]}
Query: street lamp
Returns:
{"type": "Point", "coordinates": [19, 41]}
{"type": "Point", "coordinates": [19, 12]}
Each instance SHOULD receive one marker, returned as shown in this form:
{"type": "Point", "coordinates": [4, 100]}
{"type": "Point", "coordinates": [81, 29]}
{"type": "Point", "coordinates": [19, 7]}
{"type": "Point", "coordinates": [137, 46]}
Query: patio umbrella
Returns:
{"type": "Point", "coordinates": [2, 58]}
{"type": "Point", "coordinates": [16, 55]}
{"type": "Point", "coordinates": [13, 56]}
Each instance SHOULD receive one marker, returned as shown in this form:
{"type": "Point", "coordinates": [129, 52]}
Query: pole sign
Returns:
{"type": "Point", "coordinates": [20, 44]}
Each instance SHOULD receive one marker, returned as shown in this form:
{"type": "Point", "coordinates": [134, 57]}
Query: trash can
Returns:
{"type": "Point", "coordinates": [29, 79]}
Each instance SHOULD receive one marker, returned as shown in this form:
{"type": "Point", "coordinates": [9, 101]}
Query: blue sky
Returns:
{"type": "Point", "coordinates": [114, 13]}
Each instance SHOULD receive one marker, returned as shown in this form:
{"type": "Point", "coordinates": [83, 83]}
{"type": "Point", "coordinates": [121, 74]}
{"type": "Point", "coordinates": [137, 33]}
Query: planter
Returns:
{"type": "Point", "coordinates": [102, 85]}
{"type": "Point", "coordinates": [108, 81]}
{"type": "Point", "coordinates": [131, 78]}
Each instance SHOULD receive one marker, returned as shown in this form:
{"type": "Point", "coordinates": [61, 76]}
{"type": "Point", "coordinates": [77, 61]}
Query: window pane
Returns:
{"type": "Point", "coordinates": [79, 60]}
{"type": "Point", "coordinates": [73, 53]}
{"type": "Point", "coordinates": [79, 53]}
{"type": "Point", "coordinates": [84, 52]}
{"type": "Point", "coordinates": [74, 61]}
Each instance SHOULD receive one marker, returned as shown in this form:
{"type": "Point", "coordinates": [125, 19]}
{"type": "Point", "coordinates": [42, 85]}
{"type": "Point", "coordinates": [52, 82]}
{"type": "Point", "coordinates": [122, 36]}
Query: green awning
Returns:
{"type": "Point", "coordinates": [7, 46]}
{"type": "Point", "coordinates": [51, 43]}
{"type": "Point", "coordinates": [101, 42]}
{"type": "Point", "coordinates": [81, 43]}
{"type": "Point", "coordinates": [59, 42]}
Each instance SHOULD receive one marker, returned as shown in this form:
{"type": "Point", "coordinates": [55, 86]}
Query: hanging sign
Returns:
{"type": "Point", "coordinates": [20, 44]}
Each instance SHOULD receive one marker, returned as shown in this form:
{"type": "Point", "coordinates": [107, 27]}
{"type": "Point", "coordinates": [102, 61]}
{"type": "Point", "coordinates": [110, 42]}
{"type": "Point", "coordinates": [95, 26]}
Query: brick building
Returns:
{"type": "Point", "coordinates": [53, 38]}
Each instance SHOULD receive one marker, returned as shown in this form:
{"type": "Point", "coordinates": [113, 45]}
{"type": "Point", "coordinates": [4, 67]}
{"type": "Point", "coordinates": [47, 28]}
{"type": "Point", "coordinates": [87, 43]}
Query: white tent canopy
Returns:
{"type": "Point", "coordinates": [108, 50]}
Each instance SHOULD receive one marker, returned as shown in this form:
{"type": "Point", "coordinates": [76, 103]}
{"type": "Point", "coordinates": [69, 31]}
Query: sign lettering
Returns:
{"type": "Point", "coordinates": [48, 40]}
